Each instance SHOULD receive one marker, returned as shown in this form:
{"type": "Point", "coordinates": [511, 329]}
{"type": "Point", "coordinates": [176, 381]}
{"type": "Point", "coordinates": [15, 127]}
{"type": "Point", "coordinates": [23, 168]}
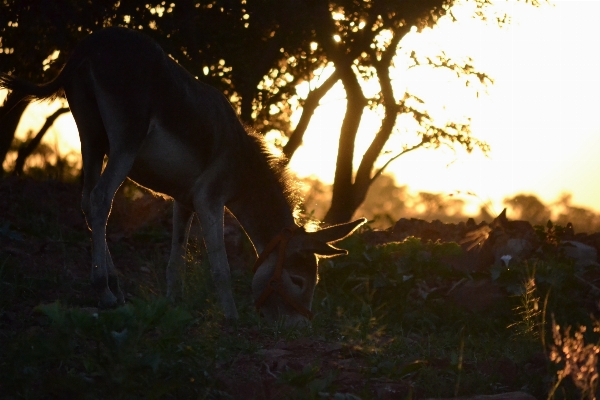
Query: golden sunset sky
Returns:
{"type": "Point", "coordinates": [541, 116]}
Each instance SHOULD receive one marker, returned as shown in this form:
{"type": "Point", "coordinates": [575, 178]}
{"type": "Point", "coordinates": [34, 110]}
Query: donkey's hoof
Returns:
{"type": "Point", "coordinates": [107, 300]}
{"type": "Point", "coordinates": [120, 299]}
{"type": "Point", "coordinates": [174, 298]}
{"type": "Point", "coordinates": [230, 326]}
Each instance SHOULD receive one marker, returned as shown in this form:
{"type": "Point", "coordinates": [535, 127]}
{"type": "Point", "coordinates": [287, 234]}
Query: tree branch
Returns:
{"type": "Point", "coordinates": [403, 152]}
{"type": "Point", "coordinates": [26, 149]}
{"type": "Point", "coordinates": [363, 174]}
{"type": "Point", "coordinates": [310, 105]}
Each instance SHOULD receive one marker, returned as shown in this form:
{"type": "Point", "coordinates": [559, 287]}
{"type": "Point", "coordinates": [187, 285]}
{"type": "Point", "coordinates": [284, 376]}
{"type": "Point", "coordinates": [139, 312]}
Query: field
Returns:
{"type": "Point", "coordinates": [395, 319]}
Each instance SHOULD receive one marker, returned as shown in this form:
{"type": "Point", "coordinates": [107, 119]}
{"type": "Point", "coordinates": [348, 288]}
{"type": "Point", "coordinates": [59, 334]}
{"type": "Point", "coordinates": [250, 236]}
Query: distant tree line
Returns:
{"type": "Point", "coordinates": [529, 208]}
{"type": "Point", "coordinates": [387, 202]}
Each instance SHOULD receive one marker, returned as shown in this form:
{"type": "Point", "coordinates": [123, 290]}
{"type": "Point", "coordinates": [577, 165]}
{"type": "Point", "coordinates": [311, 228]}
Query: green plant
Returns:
{"type": "Point", "coordinates": [376, 281]}
{"type": "Point", "coordinates": [384, 311]}
{"type": "Point", "coordinates": [135, 351]}
{"type": "Point", "coordinates": [306, 384]}
{"type": "Point", "coordinates": [528, 312]}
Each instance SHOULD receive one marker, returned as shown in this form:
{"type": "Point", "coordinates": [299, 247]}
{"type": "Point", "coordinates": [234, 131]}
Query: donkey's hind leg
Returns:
{"type": "Point", "coordinates": [92, 164]}
{"type": "Point", "coordinates": [211, 213]}
{"type": "Point", "coordinates": [94, 146]}
{"type": "Point", "coordinates": [103, 271]}
{"type": "Point", "coordinates": [90, 180]}
{"type": "Point", "coordinates": [182, 219]}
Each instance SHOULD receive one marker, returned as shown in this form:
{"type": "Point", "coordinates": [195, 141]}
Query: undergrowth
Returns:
{"type": "Point", "coordinates": [389, 306]}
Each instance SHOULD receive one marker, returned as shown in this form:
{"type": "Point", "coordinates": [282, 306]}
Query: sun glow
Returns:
{"type": "Point", "coordinates": [539, 116]}
{"type": "Point", "coordinates": [62, 136]}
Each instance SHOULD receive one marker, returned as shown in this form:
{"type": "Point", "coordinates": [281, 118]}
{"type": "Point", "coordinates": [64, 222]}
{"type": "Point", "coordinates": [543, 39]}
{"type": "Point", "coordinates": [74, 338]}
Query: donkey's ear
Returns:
{"type": "Point", "coordinates": [322, 249]}
{"type": "Point", "coordinates": [336, 232]}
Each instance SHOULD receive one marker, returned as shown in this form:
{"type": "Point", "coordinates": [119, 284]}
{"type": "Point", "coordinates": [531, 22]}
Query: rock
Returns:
{"type": "Point", "coordinates": [476, 295]}
{"type": "Point", "coordinates": [8, 316]}
{"type": "Point", "coordinates": [515, 250]}
{"type": "Point", "coordinates": [89, 310]}
{"type": "Point", "coordinates": [392, 390]}
{"type": "Point", "coordinates": [516, 239]}
{"type": "Point", "coordinates": [504, 370]}
{"type": "Point", "coordinates": [332, 348]}
{"type": "Point", "coordinates": [341, 396]}
{"type": "Point", "coordinates": [376, 237]}
{"type": "Point", "coordinates": [583, 254]}
{"type": "Point", "coordinates": [434, 230]}
{"type": "Point", "coordinates": [273, 353]}
{"type": "Point", "coordinates": [501, 396]}
{"type": "Point", "coordinates": [484, 244]}
{"type": "Point", "coordinates": [348, 377]}
{"type": "Point", "coordinates": [251, 388]}
{"type": "Point", "coordinates": [591, 239]}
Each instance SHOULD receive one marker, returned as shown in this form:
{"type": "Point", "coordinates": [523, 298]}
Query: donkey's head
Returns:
{"type": "Point", "coordinates": [286, 271]}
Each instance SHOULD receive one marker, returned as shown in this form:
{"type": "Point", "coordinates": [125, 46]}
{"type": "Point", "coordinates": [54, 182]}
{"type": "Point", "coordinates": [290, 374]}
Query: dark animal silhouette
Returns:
{"type": "Point", "coordinates": [171, 133]}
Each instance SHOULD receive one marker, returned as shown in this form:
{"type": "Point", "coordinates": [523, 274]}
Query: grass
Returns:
{"type": "Point", "coordinates": [384, 322]}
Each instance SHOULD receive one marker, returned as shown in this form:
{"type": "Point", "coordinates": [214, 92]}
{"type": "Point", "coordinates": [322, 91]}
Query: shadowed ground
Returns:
{"type": "Point", "coordinates": [400, 317]}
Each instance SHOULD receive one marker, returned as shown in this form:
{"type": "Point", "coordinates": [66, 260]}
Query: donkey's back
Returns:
{"type": "Point", "coordinates": [178, 126]}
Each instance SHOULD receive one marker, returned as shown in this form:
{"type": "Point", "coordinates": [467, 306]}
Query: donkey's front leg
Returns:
{"type": "Point", "coordinates": [182, 219]}
{"type": "Point", "coordinates": [211, 221]}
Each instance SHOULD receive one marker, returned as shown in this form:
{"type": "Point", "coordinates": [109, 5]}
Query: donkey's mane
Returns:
{"type": "Point", "coordinates": [278, 165]}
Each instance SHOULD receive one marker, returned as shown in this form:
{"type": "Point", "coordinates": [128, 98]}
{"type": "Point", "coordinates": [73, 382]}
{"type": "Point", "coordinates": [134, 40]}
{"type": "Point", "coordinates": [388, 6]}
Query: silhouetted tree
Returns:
{"type": "Point", "coordinates": [583, 219]}
{"type": "Point", "coordinates": [256, 52]}
{"type": "Point", "coordinates": [31, 32]}
{"type": "Point", "coordinates": [362, 39]}
{"type": "Point", "coordinates": [530, 208]}
{"type": "Point", "coordinates": [27, 148]}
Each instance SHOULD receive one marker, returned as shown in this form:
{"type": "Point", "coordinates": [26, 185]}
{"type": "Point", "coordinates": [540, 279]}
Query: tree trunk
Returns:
{"type": "Point", "coordinates": [348, 195]}
{"type": "Point", "coordinates": [10, 115]}
{"type": "Point", "coordinates": [343, 202]}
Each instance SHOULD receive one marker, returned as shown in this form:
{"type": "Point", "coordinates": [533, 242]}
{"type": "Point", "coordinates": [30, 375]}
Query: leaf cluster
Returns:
{"type": "Point", "coordinates": [384, 281]}
{"type": "Point", "coordinates": [136, 351]}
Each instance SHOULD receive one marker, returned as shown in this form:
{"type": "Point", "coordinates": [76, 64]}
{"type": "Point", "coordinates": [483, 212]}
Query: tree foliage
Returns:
{"type": "Point", "coordinates": [257, 52]}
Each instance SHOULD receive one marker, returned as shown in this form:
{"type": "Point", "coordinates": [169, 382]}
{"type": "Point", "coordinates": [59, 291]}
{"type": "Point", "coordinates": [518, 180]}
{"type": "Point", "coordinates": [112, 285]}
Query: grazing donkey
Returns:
{"type": "Point", "coordinates": [172, 134]}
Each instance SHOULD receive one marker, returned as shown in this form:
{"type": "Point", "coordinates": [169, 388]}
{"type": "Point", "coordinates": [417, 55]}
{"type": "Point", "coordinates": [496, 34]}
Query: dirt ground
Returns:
{"type": "Point", "coordinates": [42, 230]}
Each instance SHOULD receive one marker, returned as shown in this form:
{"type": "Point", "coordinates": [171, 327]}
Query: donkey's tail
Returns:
{"type": "Point", "coordinates": [28, 91]}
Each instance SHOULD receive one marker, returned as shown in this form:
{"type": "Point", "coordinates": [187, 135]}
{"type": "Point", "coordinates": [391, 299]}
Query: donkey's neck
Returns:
{"type": "Point", "coordinates": [263, 215]}
{"type": "Point", "coordinates": [261, 205]}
